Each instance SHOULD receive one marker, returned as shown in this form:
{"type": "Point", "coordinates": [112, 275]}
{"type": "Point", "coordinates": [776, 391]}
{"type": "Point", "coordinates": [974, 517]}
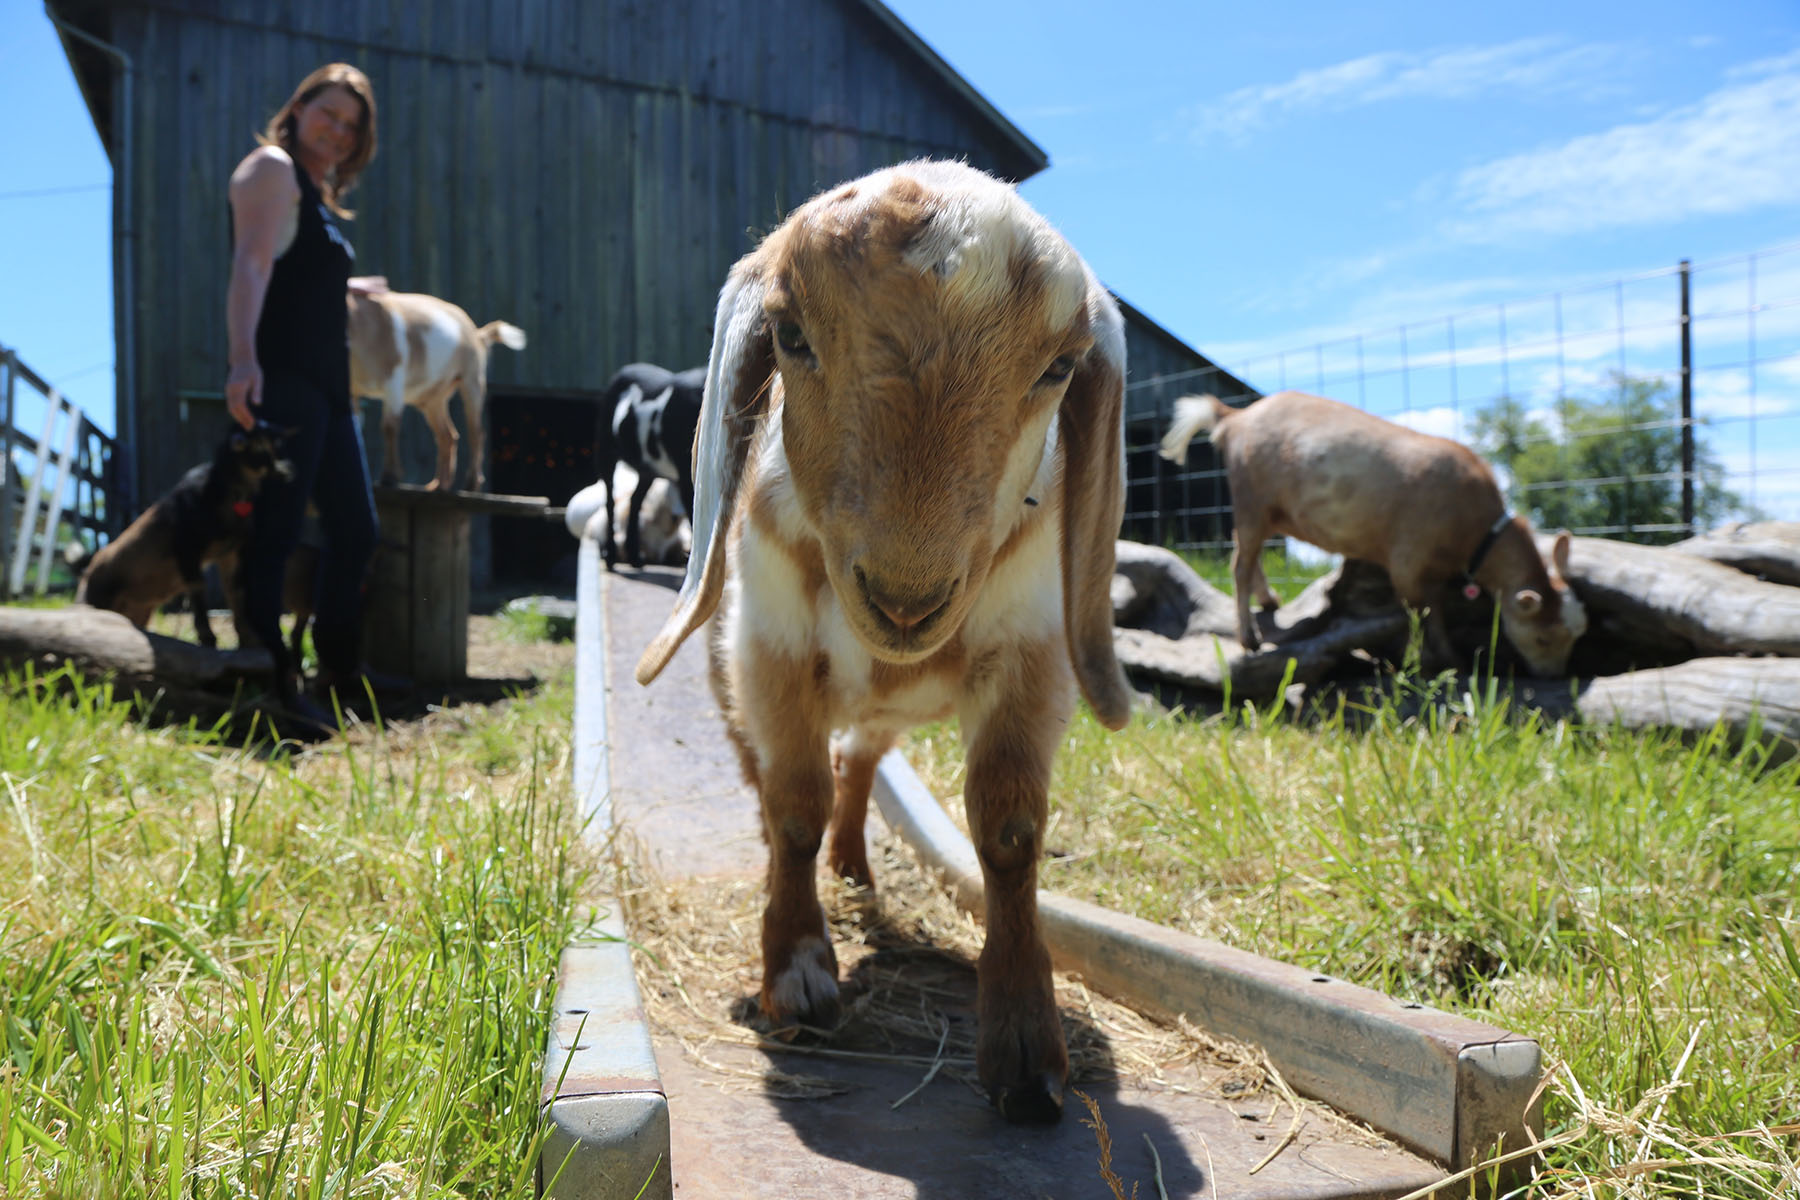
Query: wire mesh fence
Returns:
{"type": "Point", "coordinates": [1645, 408]}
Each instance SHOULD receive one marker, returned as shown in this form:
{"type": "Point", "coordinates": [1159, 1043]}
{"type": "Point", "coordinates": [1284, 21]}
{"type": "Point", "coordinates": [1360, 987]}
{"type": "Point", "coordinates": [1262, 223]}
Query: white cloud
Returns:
{"type": "Point", "coordinates": [1779, 65]}
{"type": "Point", "coordinates": [1736, 150]}
{"type": "Point", "coordinates": [1439, 420]}
{"type": "Point", "coordinates": [1533, 67]}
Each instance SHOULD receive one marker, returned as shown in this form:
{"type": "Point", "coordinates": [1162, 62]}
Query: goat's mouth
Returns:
{"type": "Point", "coordinates": [902, 625]}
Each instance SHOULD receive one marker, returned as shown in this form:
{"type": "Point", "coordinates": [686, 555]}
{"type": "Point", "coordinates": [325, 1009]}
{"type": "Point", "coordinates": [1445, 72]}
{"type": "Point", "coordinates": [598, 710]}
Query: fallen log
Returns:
{"type": "Point", "coordinates": [1745, 695]}
{"type": "Point", "coordinates": [1767, 549]}
{"type": "Point", "coordinates": [1210, 662]}
{"type": "Point", "coordinates": [1651, 606]}
{"type": "Point", "coordinates": [1155, 589]}
{"type": "Point", "coordinates": [174, 678]}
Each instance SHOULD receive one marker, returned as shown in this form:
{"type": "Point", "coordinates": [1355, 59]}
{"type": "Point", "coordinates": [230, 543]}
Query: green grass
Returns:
{"type": "Point", "coordinates": [230, 975]}
{"type": "Point", "coordinates": [1630, 901]}
{"type": "Point", "coordinates": [1286, 574]}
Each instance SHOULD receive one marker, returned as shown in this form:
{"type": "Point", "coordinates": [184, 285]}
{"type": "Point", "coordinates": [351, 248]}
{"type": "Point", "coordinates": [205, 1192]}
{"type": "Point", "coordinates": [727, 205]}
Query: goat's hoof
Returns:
{"type": "Point", "coordinates": [852, 867]}
{"type": "Point", "coordinates": [1036, 1102]}
{"type": "Point", "coordinates": [805, 991]}
{"type": "Point", "coordinates": [1020, 1054]}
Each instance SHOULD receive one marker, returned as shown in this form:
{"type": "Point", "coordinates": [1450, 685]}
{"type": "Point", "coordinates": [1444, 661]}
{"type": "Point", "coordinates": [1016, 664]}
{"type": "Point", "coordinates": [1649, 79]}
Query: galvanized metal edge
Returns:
{"type": "Point", "coordinates": [603, 1100]}
{"type": "Point", "coordinates": [1451, 1089]}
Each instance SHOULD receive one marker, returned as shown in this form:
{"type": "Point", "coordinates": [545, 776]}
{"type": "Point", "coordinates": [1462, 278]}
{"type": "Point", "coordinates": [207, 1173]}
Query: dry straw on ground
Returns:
{"type": "Point", "coordinates": [906, 957]}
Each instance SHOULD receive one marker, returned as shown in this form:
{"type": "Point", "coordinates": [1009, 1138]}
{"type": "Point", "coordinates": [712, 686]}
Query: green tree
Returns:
{"type": "Point", "coordinates": [1611, 464]}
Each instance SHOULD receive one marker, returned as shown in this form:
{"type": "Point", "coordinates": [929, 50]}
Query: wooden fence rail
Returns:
{"type": "Point", "coordinates": [69, 482]}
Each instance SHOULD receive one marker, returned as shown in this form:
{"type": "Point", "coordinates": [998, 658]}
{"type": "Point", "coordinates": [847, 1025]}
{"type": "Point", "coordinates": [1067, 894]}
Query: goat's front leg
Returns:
{"type": "Point", "coordinates": [1438, 653]}
{"type": "Point", "coordinates": [189, 563]}
{"type": "Point", "coordinates": [608, 548]}
{"type": "Point", "coordinates": [436, 408]}
{"type": "Point", "coordinates": [786, 723]}
{"type": "Point", "coordinates": [202, 619]}
{"type": "Point", "coordinates": [1020, 1053]}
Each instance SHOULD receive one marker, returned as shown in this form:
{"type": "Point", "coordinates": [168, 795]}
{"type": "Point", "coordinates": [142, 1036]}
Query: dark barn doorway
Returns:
{"type": "Point", "coordinates": [541, 446]}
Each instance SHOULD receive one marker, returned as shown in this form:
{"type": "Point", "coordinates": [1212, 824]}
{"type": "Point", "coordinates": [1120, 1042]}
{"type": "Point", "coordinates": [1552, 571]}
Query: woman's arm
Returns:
{"type": "Point", "coordinates": [263, 196]}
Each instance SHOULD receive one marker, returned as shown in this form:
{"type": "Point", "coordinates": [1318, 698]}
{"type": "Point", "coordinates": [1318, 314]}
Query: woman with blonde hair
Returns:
{"type": "Point", "coordinates": [289, 359]}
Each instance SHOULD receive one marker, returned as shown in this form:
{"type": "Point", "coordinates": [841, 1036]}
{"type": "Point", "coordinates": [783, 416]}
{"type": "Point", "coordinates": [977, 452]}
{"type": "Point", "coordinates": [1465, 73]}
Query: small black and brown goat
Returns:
{"type": "Point", "coordinates": [204, 518]}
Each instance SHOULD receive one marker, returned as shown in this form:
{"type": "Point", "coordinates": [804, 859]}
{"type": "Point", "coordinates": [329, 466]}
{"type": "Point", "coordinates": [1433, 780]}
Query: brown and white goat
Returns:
{"type": "Point", "coordinates": [908, 482]}
{"type": "Point", "coordinates": [408, 348]}
{"type": "Point", "coordinates": [1425, 508]}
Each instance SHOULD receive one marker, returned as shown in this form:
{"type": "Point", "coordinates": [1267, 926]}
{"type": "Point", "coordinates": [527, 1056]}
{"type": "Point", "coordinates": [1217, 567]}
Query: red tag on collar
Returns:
{"type": "Point", "coordinates": [1471, 590]}
{"type": "Point", "coordinates": [242, 507]}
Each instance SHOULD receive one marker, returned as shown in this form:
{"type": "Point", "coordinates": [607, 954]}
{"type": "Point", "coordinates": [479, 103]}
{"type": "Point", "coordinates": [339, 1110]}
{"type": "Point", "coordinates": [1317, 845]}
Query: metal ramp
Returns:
{"type": "Point", "coordinates": [628, 1103]}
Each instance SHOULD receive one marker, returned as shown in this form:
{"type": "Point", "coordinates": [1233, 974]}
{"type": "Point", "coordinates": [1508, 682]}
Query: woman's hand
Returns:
{"type": "Point", "coordinates": [243, 388]}
{"type": "Point", "coordinates": [368, 285]}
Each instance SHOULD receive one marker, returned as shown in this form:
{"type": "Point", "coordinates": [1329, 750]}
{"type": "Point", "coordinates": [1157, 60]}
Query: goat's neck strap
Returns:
{"type": "Point", "coordinates": [1487, 543]}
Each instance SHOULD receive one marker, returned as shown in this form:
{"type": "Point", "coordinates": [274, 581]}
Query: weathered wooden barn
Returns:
{"type": "Point", "coordinates": [587, 171]}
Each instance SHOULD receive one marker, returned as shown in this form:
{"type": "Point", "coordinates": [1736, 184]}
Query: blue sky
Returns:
{"type": "Point", "coordinates": [1260, 178]}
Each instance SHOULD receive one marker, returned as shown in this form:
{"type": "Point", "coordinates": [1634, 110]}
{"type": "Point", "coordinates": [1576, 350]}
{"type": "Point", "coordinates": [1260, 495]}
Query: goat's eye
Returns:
{"type": "Point", "coordinates": [792, 339]}
{"type": "Point", "coordinates": [1059, 369]}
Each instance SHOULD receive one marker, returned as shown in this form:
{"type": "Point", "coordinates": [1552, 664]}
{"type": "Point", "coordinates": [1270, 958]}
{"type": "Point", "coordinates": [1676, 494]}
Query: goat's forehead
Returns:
{"type": "Point", "coordinates": [968, 232]}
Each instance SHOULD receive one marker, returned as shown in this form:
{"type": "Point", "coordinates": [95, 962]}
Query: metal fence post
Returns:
{"type": "Point", "coordinates": [1687, 403]}
{"type": "Point", "coordinates": [8, 483]}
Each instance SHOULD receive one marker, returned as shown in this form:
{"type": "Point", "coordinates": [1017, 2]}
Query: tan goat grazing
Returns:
{"type": "Point", "coordinates": [1425, 508]}
{"type": "Point", "coordinates": [907, 487]}
{"type": "Point", "coordinates": [407, 348]}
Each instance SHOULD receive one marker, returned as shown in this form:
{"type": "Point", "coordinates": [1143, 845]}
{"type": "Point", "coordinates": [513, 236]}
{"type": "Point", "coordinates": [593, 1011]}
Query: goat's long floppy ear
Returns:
{"type": "Point", "coordinates": [1092, 424]}
{"type": "Point", "coordinates": [737, 395]}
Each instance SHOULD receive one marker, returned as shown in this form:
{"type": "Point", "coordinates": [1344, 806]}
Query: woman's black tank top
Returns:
{"type": "Point", "coordinates": [303, 326]}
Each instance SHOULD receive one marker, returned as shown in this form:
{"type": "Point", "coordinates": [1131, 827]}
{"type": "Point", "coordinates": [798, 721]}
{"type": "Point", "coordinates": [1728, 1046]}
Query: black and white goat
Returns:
{"type": "Point", "coordinates": [647, 419]}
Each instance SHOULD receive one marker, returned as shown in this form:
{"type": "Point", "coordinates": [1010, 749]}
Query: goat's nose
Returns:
{"type": "Point", "coordinates": [907, 608]}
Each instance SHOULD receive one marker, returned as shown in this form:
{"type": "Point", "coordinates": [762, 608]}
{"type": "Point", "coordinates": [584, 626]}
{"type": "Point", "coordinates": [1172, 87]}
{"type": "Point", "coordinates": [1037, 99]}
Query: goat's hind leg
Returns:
{"type": "Point", "coordinates": [1247, 581]}
{"type": "Point", "coordinates": [473, 476]}
{"type": "Point", "coordinates": [853, 761]}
